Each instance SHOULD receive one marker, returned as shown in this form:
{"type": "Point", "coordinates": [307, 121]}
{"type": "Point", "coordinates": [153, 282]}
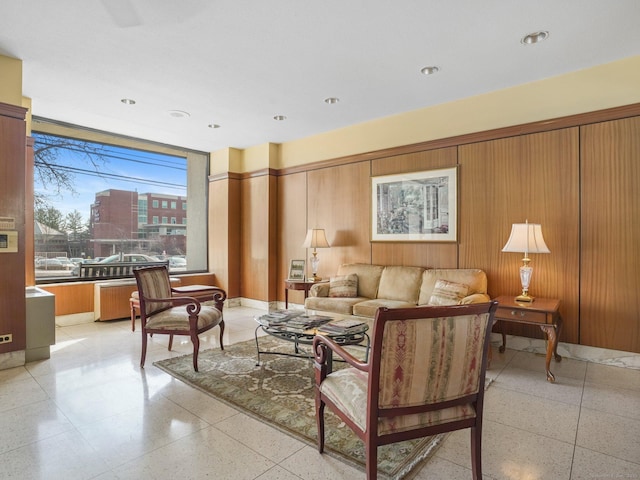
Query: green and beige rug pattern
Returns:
{"type": "Point", "coordinates": [280, 392]}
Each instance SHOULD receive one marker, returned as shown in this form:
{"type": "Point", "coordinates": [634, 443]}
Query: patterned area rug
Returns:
{"type": "Point", "coordinates": [280, 392]}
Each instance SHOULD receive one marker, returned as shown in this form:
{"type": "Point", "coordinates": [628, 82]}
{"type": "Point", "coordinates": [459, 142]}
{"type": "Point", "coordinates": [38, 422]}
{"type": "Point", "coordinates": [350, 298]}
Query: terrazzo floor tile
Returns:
{"type": "Point", "coordinates": [267, 441]}
{"type": "Point", "coordinates": [510, 453]}
{"type": "Point", "coordinates": [590, 465]}
{"type": "Point", "coordinates": [541, 416]}
{"type": "Point", "coordinates": [90, 412]}
{"type": "Point", "coordinates": [206, 452]}
{"type": "Point", "coordinates": [609, 434]}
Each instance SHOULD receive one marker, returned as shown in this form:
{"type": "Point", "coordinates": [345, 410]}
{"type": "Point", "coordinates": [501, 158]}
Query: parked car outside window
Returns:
{"type": "Point", "coordinates": [177, 264]}
{"type": "Point", "coordinates": [51, 264]}
{"type": "Point", "coordinates": [127, 257]}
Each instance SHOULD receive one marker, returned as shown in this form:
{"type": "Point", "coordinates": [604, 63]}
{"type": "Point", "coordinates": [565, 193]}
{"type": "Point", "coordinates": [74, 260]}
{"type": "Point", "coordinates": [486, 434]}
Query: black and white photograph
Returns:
{"type": "Point", "coordinates": [296, 270]}
{"type": "Point", "coordinates": [418, 206]}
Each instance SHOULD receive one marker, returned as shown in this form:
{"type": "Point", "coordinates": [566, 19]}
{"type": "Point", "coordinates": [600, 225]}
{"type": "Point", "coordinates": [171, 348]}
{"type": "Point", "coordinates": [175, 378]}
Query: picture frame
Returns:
{"type": "Point", "coordinates": [297, 270]}
{"type": "Point", "coordinates": [415, 207]}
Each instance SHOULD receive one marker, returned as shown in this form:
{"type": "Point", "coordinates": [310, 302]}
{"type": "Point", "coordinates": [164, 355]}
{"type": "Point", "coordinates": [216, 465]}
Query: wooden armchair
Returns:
{"type": "Point", "coordinates": [425, 376]}
{"type": "Point", "coordinates": [163, 311]}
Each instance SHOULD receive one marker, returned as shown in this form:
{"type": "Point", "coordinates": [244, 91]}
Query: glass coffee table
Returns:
{"type": "Point", "coordinates": [298, 336]}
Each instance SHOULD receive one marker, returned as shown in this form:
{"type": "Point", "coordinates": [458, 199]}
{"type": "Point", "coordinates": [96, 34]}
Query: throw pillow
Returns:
{"type": "Point", "coordinates": [344, 286]}
{"type": "Point", "coordinates": [448, 293]}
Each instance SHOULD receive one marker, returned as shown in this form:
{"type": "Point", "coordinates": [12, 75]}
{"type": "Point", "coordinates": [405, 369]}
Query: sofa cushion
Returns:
{"type": "Point", "coordinates": [368, 277]}
{"type": "Point", "coordinates": [367, 308]}
{"type": "Point", "coordinates": [474, 278]}
{"type": "Point", "coordinates": [400, 283]}
{"type": "Point", "coordinates": [344, 286]}
{"type": "Point", "coordinates": [342, 305]}
{"type": "Point", "coordinates": [448, 293]}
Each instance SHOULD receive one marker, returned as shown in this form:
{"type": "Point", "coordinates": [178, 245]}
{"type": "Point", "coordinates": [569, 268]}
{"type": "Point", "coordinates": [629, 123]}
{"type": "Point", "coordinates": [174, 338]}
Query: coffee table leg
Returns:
{"type": "Point", "coordinates": [257, 345]}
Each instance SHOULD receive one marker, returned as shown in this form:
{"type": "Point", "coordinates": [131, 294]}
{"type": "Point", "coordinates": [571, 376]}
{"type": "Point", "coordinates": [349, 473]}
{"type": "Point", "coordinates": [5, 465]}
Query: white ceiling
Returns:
{"type": "Point", "coordinates": [237, 63]}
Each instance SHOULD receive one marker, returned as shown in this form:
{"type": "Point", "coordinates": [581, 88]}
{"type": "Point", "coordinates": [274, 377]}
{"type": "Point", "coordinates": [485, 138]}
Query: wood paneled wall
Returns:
{"type": "Point", "coordinates": [338, 200]}
{"type": "Point", "coordinates": [12, 204]}
{"type": "Point", "coordinates": [224, 232]}
{"type": "Point", "coordinates": [610, 220]}
{"type": "Point", "coordinates": [258, 250]}
{"type": "Point", "coordinates": [554, 177]}
{"type": "Point", "coordinates": [530, 177]}
{"type": "Point", "coordinates": [76, 297]}
{"type": "Point", "coordinates": [291, 228]}
{"type": "Point", "coordinates": [29, 216]}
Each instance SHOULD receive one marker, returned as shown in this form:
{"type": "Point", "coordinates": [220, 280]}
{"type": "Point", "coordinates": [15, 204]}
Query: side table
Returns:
{"type": "Point", "coordinates": [544, 312]}
{"type": "Point", "coordinates": [297, 285]}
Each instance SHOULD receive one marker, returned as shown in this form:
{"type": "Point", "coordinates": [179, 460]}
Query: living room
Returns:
{"type": "Point", "coordinates": [560, 152]}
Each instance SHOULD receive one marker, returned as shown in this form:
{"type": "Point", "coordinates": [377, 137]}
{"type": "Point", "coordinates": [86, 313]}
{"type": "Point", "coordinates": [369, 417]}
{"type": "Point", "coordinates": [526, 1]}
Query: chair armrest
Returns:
{"type": "Point", "coordinates": [192, 304]}
{"type": "Point", "coordinates": [215, 291]}
{"type": "Point", "coordinates": [319, 290]}
{"type": "Point", "coordinates": [475, 298]}
{"type": "Point", "coordinates": [322, 343]}
{"type": "Point", "coordinates": [218, 295]}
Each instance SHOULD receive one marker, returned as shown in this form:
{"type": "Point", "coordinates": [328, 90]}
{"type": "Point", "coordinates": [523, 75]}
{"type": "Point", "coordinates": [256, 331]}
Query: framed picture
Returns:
{"type": "Point", "coordinates": [296, 270]}
{"type": "Point", "coordinates": [415, 207]}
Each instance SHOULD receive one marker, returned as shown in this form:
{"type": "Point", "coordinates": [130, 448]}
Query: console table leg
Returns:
{"type": "Point", "coordinates": [552, 341]}
{"type": "Point", "coordinates": [558, 330]}
{"type": "Point", "coordinates": [502, 347]}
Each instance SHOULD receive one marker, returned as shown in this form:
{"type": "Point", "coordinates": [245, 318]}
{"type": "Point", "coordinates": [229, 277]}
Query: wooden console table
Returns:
{"type": "Point", "coordinates": [544, 312]}
{"type": "Point", "coordinates": [297, 285]}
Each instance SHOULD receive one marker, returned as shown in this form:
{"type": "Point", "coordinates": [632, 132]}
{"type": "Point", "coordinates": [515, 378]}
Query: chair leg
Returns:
{"type": "Point", "coordinates": [371, 467]}
{"type": "Point", "coordinates": [476, 452]}
{"type": "Point", "coordinates": [196, 347]}
{"type": "Point", "coordinates": [133, 317]}
{"type": "Point", "coordinates": [144, 349]}
{"type": "Point", "coordinates": [221, 333]}
{"type": "Point", "coordinates": [170, 341]}
{"type": "Point", "coordinates": [320, 421]}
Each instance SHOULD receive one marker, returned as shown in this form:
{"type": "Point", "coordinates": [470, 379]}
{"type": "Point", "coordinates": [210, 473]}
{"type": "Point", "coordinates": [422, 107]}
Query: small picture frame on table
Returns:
{"type": "Point", "coordinates": [296, 270]}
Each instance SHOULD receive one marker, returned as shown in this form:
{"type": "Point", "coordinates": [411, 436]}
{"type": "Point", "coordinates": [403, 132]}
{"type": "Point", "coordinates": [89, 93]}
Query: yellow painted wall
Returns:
{"type": "Point", "coordinates": [250, 159]}
{"type": "Point", "coordinates": [10, 80]}
{"type": "Point", "coordinates": [225, 160]}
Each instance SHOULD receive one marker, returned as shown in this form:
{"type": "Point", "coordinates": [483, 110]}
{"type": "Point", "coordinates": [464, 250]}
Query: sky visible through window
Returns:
{"type": "Point", "coordinates": [119, 168]}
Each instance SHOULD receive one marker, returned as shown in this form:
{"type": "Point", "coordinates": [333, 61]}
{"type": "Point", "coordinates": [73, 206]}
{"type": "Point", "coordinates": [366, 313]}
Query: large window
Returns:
{"type": "Point", "coordinates": [95, 200]}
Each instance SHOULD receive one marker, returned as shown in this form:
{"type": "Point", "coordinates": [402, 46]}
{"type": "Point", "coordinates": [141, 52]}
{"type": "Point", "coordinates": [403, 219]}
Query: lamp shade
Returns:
{"type": "Point", "coordinates": [316, 238]}
{"type": "Point", "coordinates": [526, 238]}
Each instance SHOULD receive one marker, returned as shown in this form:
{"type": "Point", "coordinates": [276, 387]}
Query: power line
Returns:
{"type": "Point", "coordinates": [158, 162]}
{"type": "Point", "coordinates": [112, 176]}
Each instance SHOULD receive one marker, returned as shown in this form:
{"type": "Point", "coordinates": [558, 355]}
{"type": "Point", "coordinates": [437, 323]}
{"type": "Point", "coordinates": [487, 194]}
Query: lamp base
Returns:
{"type": "Point", "coordinates": [315, 278]}
{"type": "Point", "coordinates": [524, 298]}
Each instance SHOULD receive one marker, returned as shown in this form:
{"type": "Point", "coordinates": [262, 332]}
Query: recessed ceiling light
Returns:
{"type": "Point", "coordinates": [534, 37]}
{"type": "Point", "coordinates": [214, 125]}
{"type": "Point", "coordinates": [179, 114]}
{"type": "Point", "coordinates": [331, 100]}
{"type": "Point", "coordinates": [279, 118]}
{"type": "Point", "coordinates": [128, 101]}
{"type": "Point", "coordinates": [430, 70]}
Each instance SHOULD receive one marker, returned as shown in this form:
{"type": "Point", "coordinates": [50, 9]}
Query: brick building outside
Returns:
{"type": "Point", "coordinates": [123, 221]}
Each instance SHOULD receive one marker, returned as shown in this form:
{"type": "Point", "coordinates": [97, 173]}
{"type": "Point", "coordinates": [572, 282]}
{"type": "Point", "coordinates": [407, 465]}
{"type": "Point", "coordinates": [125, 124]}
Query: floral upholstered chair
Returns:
{"type": "Point", "coordinates": [425, 376]}
{"type": "Point", "coordinates": [161, 311]}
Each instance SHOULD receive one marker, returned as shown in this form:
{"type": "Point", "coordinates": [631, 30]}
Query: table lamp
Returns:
{"type": "Point", "coordinates": [316, 238]}
{"type": "Point", "coordinates": [526, 238]}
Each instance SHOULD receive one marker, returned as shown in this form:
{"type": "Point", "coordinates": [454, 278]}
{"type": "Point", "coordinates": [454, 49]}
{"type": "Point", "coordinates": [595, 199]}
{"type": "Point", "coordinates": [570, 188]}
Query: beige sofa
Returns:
{"type": "Point", "coordinates": [395, 287]}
